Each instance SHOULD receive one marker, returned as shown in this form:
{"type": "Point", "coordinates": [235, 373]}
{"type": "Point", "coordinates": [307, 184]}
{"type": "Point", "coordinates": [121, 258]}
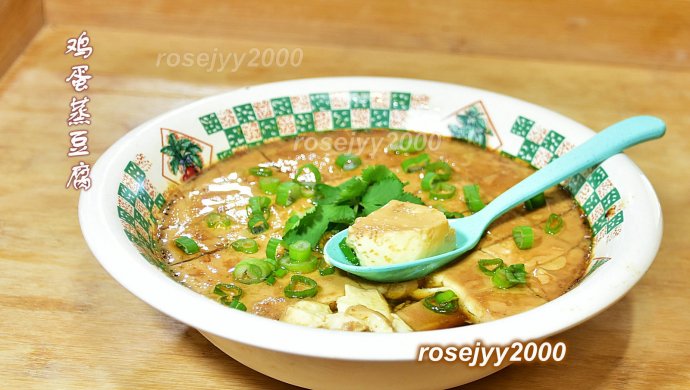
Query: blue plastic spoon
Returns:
{"type": "Point", "coordinates": [469, 230]}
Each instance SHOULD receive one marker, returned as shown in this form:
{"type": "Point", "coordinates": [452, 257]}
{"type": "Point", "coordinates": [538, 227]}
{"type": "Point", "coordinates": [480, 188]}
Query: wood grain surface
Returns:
{"type": "Point", "coordinates": [641, 32]}
{"type": "Point", "coordinates": [66, 324]}
{"type": "Point", "coordinates": [20, 20]}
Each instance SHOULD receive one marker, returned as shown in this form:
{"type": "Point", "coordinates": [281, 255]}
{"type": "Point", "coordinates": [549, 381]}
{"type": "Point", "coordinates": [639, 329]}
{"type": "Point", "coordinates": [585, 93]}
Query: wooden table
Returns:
{"type": "Point", "coordinates": [66, 323]}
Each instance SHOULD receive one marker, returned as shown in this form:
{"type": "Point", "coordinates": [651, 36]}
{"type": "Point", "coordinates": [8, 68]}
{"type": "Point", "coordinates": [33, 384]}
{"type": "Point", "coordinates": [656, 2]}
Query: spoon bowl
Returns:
{"type": "Point", "coordinates": [468, 231]}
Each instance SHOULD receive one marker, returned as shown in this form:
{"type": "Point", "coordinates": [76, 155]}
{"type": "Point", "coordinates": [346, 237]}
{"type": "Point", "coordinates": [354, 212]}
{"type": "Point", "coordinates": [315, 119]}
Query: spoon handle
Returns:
{"type": "Point", "coordinates": [610, 141]}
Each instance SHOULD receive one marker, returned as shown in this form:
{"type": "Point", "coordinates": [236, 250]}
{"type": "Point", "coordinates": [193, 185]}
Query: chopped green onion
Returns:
{"type": "Point", "coordinates": [503, 276]}
{"type": "Point", "coordinates": [216, 220]}
{"type": "Point", "coordinates": [535, 202]}
{"type": "Point", "coordinates": [257, 224]}
{"type": "Point", "coordinates": [287, 193]}
{"type": "Point", "coordinates": [449, 214]}
{"type": "Point", "coordinates": [507, 277]}
{"type": "Point", "coordinates": [301, 287]}
{"type": "Point", "coordinates": [273, 263]}
{"type": "Point", "coordinates": [233, 303]}
{"type": "Point", "coordinates": [485, 263]}
{"type": "Point", "coordinates": [500, 278]}
{"type": "Point", "coordinates": [523, 237]}
{"type": "Point", "coordinates": [300, 267]}
{"type": "Point", "coordinates": [554, 224]}
{"type": "Point", "coordinates": [258, 205]}
{"type": "Point", "coordinates": [517, 273]}
{"type": "Point", "coordinates": [271, 280]}
{"type": "Point", "coordinates": [227, 290]}
{"type": "Point", "coordinates": [429, 180]}
{"type": "Point", "coordinates": [348, 162]}
{"type": "Point", "coordinates": [252, 271]}
{"type": "Point", "coordinates": [441, 168]}
{"type": "Point", "coordinates": [261, 171]}
{"type": "Point", "coordinates": [443, 302]}
{"type": "Point", "coordinates": [416, 163]}
{"type": "Point", "coordinates": [312, 175]}
{"type": "Point", "coordinates": [350, 255]}
{"type": "Point", "coordinates": [245, 245]}
{"type": "Point", "coordinates": [442, 191]}
{"type": "Point", "coordinates": [472, 198]}
{"type": "Point", "coordinates": [280, 272]}
{"type": "Point", "coordinates": [412, 144]}
{"type": "Point", "coordinates": [187, 245]}
{"type": "Point", "coordinates": [272, 248]}
{"type": "Point", "coordinates": [300, 250]}
{"type": "Point", "coordinates": [325, 269]}
{"type": "Point", "coordinates": [269, 185]}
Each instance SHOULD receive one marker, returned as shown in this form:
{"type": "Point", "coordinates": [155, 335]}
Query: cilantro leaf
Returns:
{"type": "Point", "coordinates": [408, 197]}
{"type": "Point", "coordinates": [326, 194]}
{"type": "Point", "coordinates": [381, 193]}
{"type": "Point", "coordinates": [310, 228]}
{"type": "Point", "coordinates": [338, 214]}
{"type": "Point", "coordinates": [352, 189]}
{"type": "Point", "coordinates": [377, 173]}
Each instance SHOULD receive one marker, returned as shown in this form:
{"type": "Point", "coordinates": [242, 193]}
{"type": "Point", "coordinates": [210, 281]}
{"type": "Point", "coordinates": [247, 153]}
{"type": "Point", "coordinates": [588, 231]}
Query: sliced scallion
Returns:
{"type": "Point", "coordinates": [261, 171]}
{"type": "Point", "coordinates": [430, 178]}
{"type": "Point", "coordinates": [414, 164]}
{"type": "Point", "coordinates": [227, 290]}
{"type": "Point", "coordinates": [503, 276]}
{"type": "Point", "coordinates": [472, 198]}
{"type": "Point", "coordinates": [245, 245]}
{"type": "Point", "coordinates": [216, 220]}
{"type": "Point", "coordinates": [257, 224]}
{"type": "Point", "coordinates": [449, 214]}
{"type": "Point", "coordinates": [252, 271]}
{"type": "Point", "coordinates": [300, 250]}
{"type": "Point", "coordinates": [280, 272]}
{"type": "Point", "coordinates": [187, 245]}
{"type": "Point", "coordinates": [301, 287]}
{"type": "Point", "coordinates": [308, 174]}
{"type": "Point", "coordinates": [233, 303]}
{"type": "Point", "coordinates": [554, 224]}
{"type": "Point", "coordinates": [443, 302]}
{"type": "Point", "coordinates": [348, 162]}
{"type": "Point", "coordinates": [300, 267]}
{"type": "Point", "coordinates": [411, 144]}
{"type": "Point", "coordinates": [287, 193]}
{"type": "Point", "coordinates": [523, 237]}
{"type": "Point", "coordinates": [272, 248]}
{"type": "Point", "coordinates": [507, 277]}
{"type": "Point", "coordinates": [442, 191]}
{"type": "Point", "coordinates": [269, 185]}
{"type": "Point", "coordinates": [535, 202]}
{"type": "Point", "coordinates": [349, 254]}
{"type": "Point", "coordinates": [489, 266]}
{"type": "Point", "coordinates": [441, 168]}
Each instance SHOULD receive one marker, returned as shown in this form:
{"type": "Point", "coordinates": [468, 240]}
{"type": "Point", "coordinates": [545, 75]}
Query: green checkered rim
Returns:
{"type": "Point", "coordinates": [592, 189]}
{"type": "Point", "coordinates": [253, 123]}
{"type": "Point", "coordinates": [136, 202]}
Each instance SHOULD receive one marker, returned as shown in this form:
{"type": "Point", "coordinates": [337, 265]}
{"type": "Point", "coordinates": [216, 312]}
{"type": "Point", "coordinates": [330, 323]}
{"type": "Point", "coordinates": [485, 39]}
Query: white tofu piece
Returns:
{"type": "Point", "coordinates": [374, 320]}
{"type": "Point", "coordinates": [371, 299]}
{"type": "Point", "coordinates": [307, 313]}
{"type": "Point", "coordinates": [342, 321]}
{"type": "Point", "coordinates": [400, 232]}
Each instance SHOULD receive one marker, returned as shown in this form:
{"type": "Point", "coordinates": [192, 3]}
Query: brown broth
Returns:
{"type": "Point", "coordinates": [554, 264]}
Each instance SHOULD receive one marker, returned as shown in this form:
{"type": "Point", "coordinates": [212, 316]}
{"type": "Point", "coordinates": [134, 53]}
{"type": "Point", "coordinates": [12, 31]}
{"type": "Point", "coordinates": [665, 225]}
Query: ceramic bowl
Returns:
{"type": "Point", "coordinates": [131, 176]}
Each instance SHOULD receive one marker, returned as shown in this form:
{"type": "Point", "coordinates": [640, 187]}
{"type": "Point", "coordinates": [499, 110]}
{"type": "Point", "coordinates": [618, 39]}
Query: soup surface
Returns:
{"type": "Point", "coordinates": [212, 211]}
